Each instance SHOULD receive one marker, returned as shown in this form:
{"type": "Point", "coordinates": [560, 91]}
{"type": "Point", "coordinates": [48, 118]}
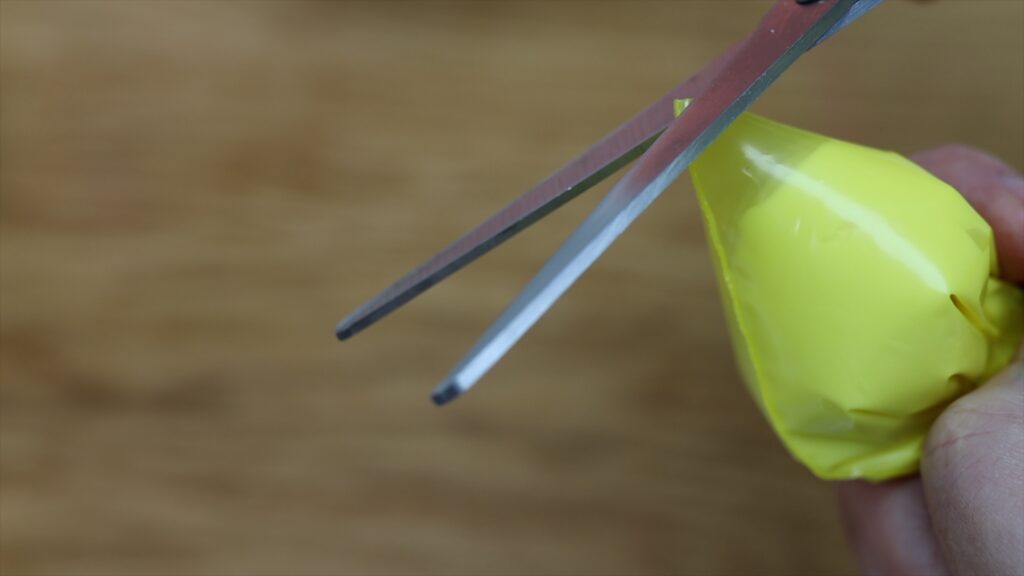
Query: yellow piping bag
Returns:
{"type": "Point", "coordinates": [860, 292]}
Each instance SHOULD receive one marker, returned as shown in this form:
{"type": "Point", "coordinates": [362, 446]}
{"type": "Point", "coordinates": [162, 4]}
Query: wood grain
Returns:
{"type": "Point", "coordinates": [193, 193]}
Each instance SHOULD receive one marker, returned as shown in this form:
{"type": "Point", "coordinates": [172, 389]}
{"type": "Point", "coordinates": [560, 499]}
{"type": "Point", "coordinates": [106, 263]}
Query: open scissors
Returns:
{"type": "Point", "coordinates": [663, 147]}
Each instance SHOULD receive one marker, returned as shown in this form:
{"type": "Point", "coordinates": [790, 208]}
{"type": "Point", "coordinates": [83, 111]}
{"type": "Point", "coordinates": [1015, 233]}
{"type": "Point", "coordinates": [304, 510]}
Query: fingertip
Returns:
{"type": "Point", "coordinates": [961, 165]}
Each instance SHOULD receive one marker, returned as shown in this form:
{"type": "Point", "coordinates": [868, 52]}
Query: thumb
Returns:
{"type": "Point", "coordinates": [973, 475]}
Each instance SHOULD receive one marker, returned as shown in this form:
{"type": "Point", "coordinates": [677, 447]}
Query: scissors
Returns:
{"type": "Point", "coordinates": [662, 145]}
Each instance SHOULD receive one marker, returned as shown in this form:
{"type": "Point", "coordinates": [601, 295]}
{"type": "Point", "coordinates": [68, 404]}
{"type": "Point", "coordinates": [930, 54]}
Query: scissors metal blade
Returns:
{"type": "Point", "coordinates": [615, 150]}
{"type": "Point", "coordinates": [785, 33]}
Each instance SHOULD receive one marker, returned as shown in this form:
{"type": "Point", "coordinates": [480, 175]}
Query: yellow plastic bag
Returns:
{"type": "Point", "coordinates": [859, 290]}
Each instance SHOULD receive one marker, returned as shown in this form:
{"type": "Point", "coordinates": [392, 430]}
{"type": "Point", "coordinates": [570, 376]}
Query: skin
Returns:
{"type": "Point", "coordinates": [964, 513]}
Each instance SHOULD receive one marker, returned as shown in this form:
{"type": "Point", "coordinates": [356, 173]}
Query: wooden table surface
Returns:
{"type": "Point", "coordinates": [193, 193]}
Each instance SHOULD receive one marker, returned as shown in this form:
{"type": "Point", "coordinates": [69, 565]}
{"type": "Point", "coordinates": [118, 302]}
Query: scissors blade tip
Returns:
{"type": "Point", "coordinates": [446, 392]}
{"type": "Point", "coordinates": [346, 328]}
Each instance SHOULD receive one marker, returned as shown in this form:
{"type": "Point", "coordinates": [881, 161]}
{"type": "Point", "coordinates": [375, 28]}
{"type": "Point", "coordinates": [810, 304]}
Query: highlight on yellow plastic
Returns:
{"type": "Point", "coordinates": [860, 292]}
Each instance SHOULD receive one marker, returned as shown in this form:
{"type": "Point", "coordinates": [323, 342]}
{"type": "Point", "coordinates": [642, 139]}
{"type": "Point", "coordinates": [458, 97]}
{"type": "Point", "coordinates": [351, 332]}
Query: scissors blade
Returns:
{"type": "Point", "coordinates": [786, 32]}
{"type": "Point", "coordinates": [615, 150]}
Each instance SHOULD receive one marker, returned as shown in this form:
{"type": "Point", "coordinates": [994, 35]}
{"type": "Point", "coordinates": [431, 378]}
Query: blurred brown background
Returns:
{"type": "Point", "coordinates": [193, 193]}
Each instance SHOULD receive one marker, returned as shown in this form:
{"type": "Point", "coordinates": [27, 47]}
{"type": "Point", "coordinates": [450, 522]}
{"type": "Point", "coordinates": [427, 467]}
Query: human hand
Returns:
{"type": "Point", "coordinates": [964, 514]}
